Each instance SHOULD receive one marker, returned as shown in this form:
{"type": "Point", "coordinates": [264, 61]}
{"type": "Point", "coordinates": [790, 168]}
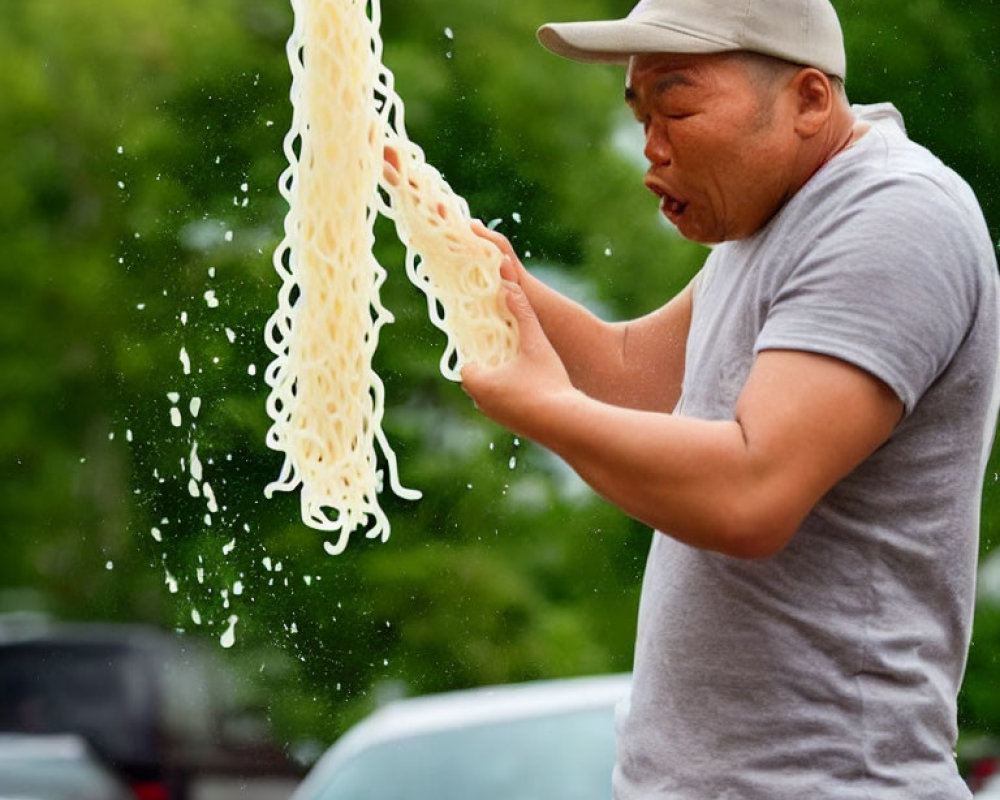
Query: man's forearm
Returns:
{"type": "Point", "coordinates": [692, 479]}
{"type": "Point", "coordinates": [739, 486]}
{"type": "Point", "coordinates": [590, 348]}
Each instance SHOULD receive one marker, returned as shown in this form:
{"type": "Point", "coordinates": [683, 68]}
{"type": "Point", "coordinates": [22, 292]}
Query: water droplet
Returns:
{"type": "Point", "coordinates": [185, 361]}
{"type": "Point", "coordinates": [195, 616]}
{"type": "Point", "coordinates": [196, 468]}
{"type": "Point", "coordinates": [228, 638]}
{"type": "Point", "coordinates": [210, 299]}
{"type": "Point", "coordinates": [228, 548]}
{"type": "Point", "coordinates": [175, 417]}
{"type": "Point", "coordinates": [194, 406]}
{"type": "Point", "coordinates": [109, 565]}
{"type": "Point", "coordinates": [206, 490]}
{"type": "Point", "coordinates": [155, 533]}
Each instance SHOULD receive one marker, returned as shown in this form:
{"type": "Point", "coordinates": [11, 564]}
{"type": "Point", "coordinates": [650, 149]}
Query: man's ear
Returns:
{"type": "Point", "coordinates": [815, 98]}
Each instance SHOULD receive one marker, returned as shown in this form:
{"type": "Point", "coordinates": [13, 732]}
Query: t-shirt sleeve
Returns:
{"type": "Point", "coordinates": [888, 286]}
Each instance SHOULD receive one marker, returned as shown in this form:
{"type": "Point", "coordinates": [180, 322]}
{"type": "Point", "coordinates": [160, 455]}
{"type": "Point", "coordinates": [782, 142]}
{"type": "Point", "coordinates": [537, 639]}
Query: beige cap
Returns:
{"type": "Point", "coordinates": [801, 31]}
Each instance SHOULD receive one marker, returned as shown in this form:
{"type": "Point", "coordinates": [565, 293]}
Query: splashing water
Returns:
{"type": "Point", "coordinates": [228, 638]}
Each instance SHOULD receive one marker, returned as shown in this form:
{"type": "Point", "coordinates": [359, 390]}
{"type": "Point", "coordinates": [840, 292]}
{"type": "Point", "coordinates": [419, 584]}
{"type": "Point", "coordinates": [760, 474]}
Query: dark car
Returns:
{"type": "Point", "coordinates": [150, 704]}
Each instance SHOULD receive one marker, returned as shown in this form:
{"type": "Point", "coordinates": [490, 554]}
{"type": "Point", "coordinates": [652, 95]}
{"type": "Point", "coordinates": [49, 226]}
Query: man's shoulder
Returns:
{"type": "Point", "coordinates": [888, 181]}
{"type": "Point", "coordinates": [886, 164]}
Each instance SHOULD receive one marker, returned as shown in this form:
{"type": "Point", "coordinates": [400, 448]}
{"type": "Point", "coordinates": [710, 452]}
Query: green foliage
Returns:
{"type": "Point", "coordinates": [139, 134]}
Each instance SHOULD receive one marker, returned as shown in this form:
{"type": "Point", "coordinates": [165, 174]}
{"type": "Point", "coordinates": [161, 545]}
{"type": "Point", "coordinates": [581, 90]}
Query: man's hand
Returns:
{"type": "Point", "coordinates": [517, 394]}
{"type": "Point", "coordinates": [511, 269]}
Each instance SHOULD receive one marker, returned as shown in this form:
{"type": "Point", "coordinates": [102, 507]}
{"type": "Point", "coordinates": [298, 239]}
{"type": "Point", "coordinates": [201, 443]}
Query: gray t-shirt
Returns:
{"type": "Point", "coordinates": [830, 671]}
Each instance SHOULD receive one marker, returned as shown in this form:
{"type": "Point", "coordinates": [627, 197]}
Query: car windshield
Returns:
{"type": "Point", "coordinates": [563, 757]}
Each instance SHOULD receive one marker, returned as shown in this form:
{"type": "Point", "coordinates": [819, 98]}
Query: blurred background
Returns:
{"type": "Point", "coordinates": [140, 148]}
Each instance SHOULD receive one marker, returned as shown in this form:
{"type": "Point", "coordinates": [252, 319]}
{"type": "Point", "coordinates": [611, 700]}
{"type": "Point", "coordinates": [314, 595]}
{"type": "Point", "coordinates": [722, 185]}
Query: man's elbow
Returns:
{"type": "Point", "coordinates": [755, 533]}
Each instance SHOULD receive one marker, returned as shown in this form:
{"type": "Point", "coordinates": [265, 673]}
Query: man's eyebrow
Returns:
{"type": "Point", "coordinates": [663, 84]}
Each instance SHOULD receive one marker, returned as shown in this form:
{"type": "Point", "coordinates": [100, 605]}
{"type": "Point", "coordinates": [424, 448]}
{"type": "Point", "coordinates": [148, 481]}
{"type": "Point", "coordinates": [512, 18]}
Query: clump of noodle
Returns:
{"type": "Point", "coordinates": [457, 270]}
{"type": "Point", "coordinates": [326, 401]}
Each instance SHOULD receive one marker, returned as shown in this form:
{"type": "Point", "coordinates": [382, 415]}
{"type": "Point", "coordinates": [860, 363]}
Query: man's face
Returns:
{"type": "Point", "coordinates": [721, 147]}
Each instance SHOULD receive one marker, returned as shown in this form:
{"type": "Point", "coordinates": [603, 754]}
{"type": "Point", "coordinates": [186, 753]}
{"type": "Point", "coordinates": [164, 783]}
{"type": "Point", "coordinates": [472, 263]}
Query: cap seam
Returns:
{"type": "Point", "coordinates": [686, 32]}
{"type": "Point", "coordinates": [747, 14]}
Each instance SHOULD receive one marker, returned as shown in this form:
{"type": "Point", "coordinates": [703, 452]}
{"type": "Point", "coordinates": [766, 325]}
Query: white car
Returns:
{"type": "Point", "coordinates": [544, 740]}
{"type": "Point", "coordinates": [55, 768]}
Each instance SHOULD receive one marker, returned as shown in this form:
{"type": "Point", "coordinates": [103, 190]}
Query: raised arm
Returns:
{"type": "Point", "coordinates": [741, 486]}
{"type": "Point", "coordinates": [636, 364]}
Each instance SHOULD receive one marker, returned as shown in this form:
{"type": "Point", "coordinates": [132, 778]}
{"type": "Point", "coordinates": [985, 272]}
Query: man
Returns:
{"type": "Point", "coordinates": [805, 426]}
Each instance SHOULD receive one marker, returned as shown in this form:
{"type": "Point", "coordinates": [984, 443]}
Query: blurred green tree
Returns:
{"type": "Point", "coordinates": [141, 152]}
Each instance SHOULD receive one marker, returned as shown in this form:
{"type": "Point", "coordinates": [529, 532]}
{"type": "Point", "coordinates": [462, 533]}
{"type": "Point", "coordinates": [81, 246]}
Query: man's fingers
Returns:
{"type": "Point", "coordinates": [508, 271]}
{"type": "Point", "coordinates": [528, 326]}
{"type": "Point", "coordinates": [497, 238]}
{"type": "Point", "coordinates": [391, 165]}
{"type": "Point", "coordinates": [469, 373]}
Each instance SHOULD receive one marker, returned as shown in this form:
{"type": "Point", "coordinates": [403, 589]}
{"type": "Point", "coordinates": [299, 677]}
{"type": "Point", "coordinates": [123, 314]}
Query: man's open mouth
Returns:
{"type": "Point", "coordinates": [671, 206]}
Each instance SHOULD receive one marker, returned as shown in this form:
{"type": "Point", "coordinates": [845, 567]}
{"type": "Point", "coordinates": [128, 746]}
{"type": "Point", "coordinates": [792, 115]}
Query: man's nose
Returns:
{"type": "Point", "coordinates": [657, 150]}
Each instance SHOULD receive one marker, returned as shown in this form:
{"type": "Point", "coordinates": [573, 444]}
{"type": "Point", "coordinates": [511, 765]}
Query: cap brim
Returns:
{"type": "Point", "coordinates": [614, 41]}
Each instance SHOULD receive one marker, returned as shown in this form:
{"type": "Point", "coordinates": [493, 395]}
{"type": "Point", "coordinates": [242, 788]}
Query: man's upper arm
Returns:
{"type": "Point", "coordinates": [653, 349]}
{"type": "Point", "coordinates": [808, 420]}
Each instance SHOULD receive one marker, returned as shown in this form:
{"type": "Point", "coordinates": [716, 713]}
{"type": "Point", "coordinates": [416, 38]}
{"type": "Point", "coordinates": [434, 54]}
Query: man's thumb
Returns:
{"type": "Point", "coordinates": [517, 301]}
